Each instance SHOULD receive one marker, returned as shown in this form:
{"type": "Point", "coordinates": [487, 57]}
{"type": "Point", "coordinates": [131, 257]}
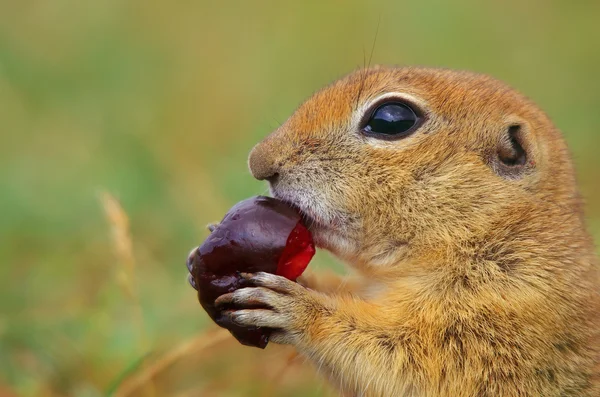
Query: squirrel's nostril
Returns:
{"type": "Point", "coordinates": [273, 178]}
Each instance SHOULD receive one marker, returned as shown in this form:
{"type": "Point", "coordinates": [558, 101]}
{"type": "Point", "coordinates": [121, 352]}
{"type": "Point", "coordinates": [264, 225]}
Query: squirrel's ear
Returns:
{"type": "Point", "coordinates": [511, 150]}
{"type": "Point", "coordinates": [511, 155]}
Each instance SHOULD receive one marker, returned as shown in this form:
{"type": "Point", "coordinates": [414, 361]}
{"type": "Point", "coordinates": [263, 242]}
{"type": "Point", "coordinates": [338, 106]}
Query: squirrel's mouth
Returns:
{"type": "Point", "coordinates": [310, 215]}
{"type": "Point", "coordinates": [308, 218]}
{"type": "Point", "coordinates": [330, 230]}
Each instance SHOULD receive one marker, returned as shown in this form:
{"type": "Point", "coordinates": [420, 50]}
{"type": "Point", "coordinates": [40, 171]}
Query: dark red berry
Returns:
{"type": "Point", "coordinates": [257, 234]}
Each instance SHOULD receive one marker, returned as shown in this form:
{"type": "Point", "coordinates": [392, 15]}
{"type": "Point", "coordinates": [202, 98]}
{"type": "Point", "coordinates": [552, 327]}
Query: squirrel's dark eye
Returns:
{"type": "Point", "coordinates": [391, 119]}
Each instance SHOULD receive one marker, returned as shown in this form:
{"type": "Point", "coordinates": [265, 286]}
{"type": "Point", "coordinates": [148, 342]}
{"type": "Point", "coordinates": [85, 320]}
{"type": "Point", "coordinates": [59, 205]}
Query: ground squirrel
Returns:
{"type": "Point", "coordinates": [454, 198]}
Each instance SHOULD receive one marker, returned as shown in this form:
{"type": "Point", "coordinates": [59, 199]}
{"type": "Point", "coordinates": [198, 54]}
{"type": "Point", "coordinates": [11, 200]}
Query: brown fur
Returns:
{"type": "Point", "coordinates": [475, 283]}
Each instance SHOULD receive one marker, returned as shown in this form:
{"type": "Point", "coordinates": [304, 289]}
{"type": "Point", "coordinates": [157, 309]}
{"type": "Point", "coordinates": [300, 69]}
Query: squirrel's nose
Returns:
{"type": "Point", "coordinates": [262, 163]}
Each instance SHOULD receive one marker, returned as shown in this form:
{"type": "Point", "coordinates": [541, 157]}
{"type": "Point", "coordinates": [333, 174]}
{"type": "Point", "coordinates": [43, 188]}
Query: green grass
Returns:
{"type": "Point", "coordinates": [159, 105]}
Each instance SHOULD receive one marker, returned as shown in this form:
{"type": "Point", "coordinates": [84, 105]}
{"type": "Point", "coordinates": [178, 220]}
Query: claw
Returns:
{"type": "Point", "coordinates": [247, 276]}
{"type": "Point", "coordinates": [224, 319]}
{"type": "Point", "coordinates": [223, 300]}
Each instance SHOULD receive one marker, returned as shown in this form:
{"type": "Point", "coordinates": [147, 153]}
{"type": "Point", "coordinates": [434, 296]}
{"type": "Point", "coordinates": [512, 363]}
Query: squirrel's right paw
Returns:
{"type": "Point", "coordinates": [274, 302]}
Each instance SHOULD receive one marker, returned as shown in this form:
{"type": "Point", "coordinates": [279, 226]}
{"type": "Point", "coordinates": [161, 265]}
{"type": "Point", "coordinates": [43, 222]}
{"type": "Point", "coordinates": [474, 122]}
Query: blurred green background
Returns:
{"type": "Point", "coordinates": [158, 104]}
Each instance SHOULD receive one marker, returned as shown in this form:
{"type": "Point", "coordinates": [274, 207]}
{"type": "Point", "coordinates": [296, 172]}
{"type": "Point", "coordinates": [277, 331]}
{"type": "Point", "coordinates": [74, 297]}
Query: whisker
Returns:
{"type": "Point", "coordinates": [364, 73]}
{"type": "Point", "coordinates": [374, 41]}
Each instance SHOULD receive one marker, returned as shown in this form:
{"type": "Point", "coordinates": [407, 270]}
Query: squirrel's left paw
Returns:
{"type": "Point", "coordinates": [274, 302]}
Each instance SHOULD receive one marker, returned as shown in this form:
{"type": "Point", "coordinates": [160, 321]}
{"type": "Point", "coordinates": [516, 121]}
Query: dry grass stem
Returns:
{"type": "Point", "coordinates": [192, 346]}
{"type": "Point", "coordinates": [122, 243]}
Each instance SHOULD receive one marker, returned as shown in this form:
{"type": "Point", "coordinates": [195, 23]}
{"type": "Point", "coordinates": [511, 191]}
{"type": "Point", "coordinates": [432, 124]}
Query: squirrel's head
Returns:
{"type": "Point", "coordinates": [389, 162]}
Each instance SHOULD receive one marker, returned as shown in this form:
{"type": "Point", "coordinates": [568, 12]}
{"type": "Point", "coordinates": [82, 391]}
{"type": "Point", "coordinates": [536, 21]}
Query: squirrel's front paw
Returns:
{"type": "Point", "coordinates": [274, 302]}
